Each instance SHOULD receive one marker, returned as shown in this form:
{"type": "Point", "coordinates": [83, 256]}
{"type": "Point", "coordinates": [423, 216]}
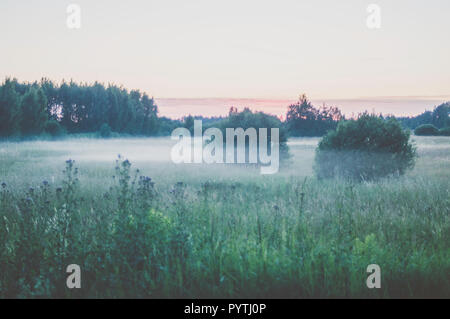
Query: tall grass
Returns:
{"type": "Point", "coordinates": [205, 236]}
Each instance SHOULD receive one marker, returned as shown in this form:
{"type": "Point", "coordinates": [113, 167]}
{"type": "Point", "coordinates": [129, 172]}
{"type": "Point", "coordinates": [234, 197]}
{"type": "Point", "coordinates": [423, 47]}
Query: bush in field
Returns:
{"type": "Point", "coordinates": [105, 131]}
{"type": "Point", "coordinates": [247, 119]}
{"type": "Point", "coordinates": [365, 149]}
{"type": "Point", "coordinates": [426, 130]}
{"type": "Point", "coordinates": [445, 131]}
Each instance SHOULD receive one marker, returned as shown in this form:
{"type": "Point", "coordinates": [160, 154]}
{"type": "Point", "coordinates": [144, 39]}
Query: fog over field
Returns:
{"type": "Point", "coordinates": [30, 162]}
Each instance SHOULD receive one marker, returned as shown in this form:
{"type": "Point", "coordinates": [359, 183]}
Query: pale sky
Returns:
{"type": "Point", "coordinates": [256, 50]}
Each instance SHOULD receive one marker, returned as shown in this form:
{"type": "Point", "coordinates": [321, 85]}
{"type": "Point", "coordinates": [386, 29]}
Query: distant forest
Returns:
{"type": "Point", "coordinates": [48, 109]}
{"type": "Point", "coordinates": [439, 117]}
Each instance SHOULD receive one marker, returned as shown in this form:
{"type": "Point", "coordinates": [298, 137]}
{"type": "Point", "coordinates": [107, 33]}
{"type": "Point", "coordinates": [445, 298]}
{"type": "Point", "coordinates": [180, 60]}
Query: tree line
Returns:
{"type": "Point", "coordinates": [44, 107]}
{"type": "Point", "coordinates": [28, 109]}
{"type": "Point", "coordinates": [439, 117]}
{"type": "Point", "coordinates": [303, 119]}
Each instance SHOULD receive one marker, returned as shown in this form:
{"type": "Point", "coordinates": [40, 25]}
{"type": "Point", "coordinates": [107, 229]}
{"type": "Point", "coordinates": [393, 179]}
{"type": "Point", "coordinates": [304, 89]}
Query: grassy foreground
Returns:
{"type": "Point", "coordinates": [194, 231]}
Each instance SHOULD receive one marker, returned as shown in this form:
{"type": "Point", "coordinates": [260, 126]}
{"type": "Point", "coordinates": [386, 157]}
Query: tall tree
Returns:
{"type": "Point", "coordinates": [51, 92]}
{"type": "Point", "coordinates": [303, 119]}
{"type": "Point", "coordinates": [441, 115]}
{"type": "Point", "coordinates": [9, 109]}
{"type": "Point", "coordinates": [34, 112]}
{"type": "Point", "coordinates": [150, 114]}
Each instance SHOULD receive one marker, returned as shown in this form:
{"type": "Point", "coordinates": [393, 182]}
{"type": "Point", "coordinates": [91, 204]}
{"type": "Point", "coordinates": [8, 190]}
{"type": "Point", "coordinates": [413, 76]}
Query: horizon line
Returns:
{"type": "Point", "coordinates": [409, 106]}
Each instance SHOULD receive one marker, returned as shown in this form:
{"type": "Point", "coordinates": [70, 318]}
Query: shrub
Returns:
{"type": "Point", "coordinates": [105, 130]}
{"type": "Point", "coordinates": [54, 128]}
{"type": "Point", "coordinates": [426, 130]}
{"type": "Point", "coordinates": [248, 119]}
{"type": "Point", "coordinates": [365, 149]}
{"type": "Point", "coordinates": [445, 131]}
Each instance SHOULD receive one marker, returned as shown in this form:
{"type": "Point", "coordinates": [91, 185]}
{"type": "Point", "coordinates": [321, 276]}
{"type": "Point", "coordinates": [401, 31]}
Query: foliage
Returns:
{"type": "Point", "coordinates": [166, 126]}
{"type": "Point", "coordinates": [105, 130]}
{"type": "Point", "coordinates": [303, 119]}
{"type": "Point", "coordinates": [365, 149]}
{"type": "Point", "coordinates": [439, 117]}
{"type": "Point", "coordinates": [25, 108]}
{"type": "Point", "coordinates": [223, 239]}
{"type": "Point", "coordinates": [34, 116]}
{"type": "Point", "coordinates": [188, 122]}
{"type": "Point", "coordinates": [9, 109]}
{"type": "Point", "coordinates": [53, 128]}
{"type": "Point", "coordinates": [426, 130]}
{"type": "Point", "coordinates": [248, 119]}
{"type": "Point", "coordinates": [445, 131]}
{"type": "Point", "coordinates": [119, 233]}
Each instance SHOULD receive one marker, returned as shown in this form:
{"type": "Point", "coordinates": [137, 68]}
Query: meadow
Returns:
{"type": "Point", "coordinates": [140, 226]}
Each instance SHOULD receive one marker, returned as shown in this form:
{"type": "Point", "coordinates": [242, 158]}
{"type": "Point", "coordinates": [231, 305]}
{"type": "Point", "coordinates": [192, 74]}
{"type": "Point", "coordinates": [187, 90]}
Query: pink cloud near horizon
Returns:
{"type": "Point", "coordinates": [399, 106]}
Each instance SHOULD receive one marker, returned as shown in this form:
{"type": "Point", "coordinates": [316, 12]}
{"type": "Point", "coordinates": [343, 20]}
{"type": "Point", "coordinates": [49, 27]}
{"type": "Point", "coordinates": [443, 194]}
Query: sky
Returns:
{"type": "Point", "coordinates": [203, 56]}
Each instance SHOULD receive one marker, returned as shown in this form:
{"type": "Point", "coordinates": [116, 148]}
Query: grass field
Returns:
{"type": "Point", "coordinates": [216, 231]}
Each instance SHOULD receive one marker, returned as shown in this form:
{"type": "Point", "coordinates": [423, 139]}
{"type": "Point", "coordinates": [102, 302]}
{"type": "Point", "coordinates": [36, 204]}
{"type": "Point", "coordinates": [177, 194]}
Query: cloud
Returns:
{"type": "Point", "coordinates": [398, 106]}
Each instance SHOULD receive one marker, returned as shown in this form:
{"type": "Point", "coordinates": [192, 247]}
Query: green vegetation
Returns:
{"type": "Point", "coordinates": [105, 131]}
{"type": "Point", "coordinates": [41, 109]}
{"type": "Point", "coordinates": [216, 231]}
{"type": "Point", "coordinates": [54, 129]}
{"type": "Point", "coordinates": [445, 131]}
{"type": "Point", "coordinates": [32, 109]}
{"type": "Point", "coordinates": [427, 130]}
{"type": "Point", "coordinates": [248, 119]}
{"type": "Point", "coordinates": [365, 149]}
{"type": "Point", "coordinates": [431, 130]}
{"type": "Point", "coordinates": [303, 119]}
{"type": "Point", "coordinates": [439, 117]}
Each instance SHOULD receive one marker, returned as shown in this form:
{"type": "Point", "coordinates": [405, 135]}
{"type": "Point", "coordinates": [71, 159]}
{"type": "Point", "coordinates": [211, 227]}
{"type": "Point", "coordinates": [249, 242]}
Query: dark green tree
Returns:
{"type": "Point", "coordinates": [303, 119]}
{"type": "Point", "coordinates": [188, 122]}
{"type": "Point", "coordinates": [441, 115]}
{"type": "Point", "coordinates": [248, 119]}
{"type": "Point", "coordinates": [150, 115]}
{"type": "Point", "coordinates": [34, 112]}
{"type": "Point", "coordinates": [76, 108]}
{"type": "Point", "coordinates": [9, 109]}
